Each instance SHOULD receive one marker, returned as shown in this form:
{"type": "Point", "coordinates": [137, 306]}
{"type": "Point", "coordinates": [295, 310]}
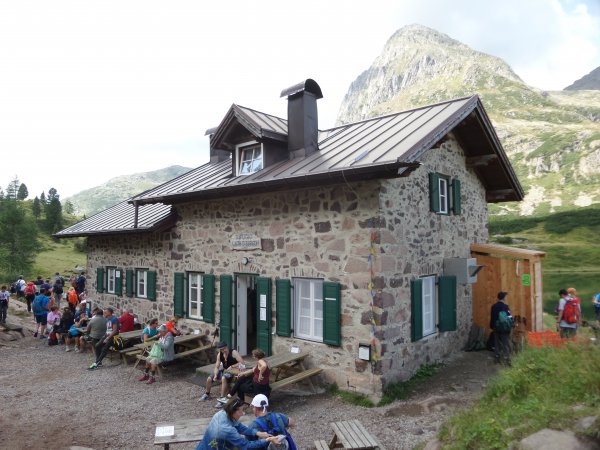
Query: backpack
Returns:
{"type": "Point", "coordinates": [53, 338]}
{"type": "Point", "coordinates": [273, 424]}
{"type": "Point", "coordinates": [571, 312]}
{"type": "Point", "coordinates": [504, 323]}
{"type": "Point", "coordinates": [30, 289]}
{"type": "Point", "coordinates": [37, 305]}
{"type": "Point", "coordinates": [58, 289]}
{"type": "Point", "coordinates": [72, 297]}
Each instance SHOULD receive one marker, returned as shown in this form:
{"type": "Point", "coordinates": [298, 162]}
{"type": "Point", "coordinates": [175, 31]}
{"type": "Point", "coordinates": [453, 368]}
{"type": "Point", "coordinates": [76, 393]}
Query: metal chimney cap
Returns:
{"type": "Point", "coordinates": [309, 85]}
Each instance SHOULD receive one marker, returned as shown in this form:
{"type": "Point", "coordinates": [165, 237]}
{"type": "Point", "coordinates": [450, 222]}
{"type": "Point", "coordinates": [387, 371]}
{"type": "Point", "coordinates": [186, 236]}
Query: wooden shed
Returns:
{"type": "Point", "coordinates": [514, 270]}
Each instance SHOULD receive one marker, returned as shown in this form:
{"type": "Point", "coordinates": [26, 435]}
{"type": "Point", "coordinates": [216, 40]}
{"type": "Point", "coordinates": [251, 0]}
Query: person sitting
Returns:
{"type": "Point", "coordinates": [226, 431]}
{"type": "Point", "coordinates": [80, 320]}
{"type": "Point", "coordinates": [127, 321]}
{"type": "Point", "coordinates": [150, 333]}
{"type": "Point", "coordinates": [95, 330]}
{"type": "Point", "coordinates": [62, 330]}
{"type": "Point", "coordinates": [273, 423]}
{"type": "Point", "coordinates": [258, 383]}
{"type": "Point", "coordinates": [103, 346]}
{"type": "Point", "coordinates": [166, 343]}
{"type": "Point", "coordinates": [172, 326]}
{"type": "Point", "coordinates": [225, 360]}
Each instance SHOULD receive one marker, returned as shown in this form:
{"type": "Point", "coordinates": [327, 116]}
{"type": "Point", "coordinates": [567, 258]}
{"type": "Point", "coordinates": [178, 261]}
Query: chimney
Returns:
{"type": "Point", "coordinates": [303, 121]}
{"type": "Point", "coordinates": [216, 155]}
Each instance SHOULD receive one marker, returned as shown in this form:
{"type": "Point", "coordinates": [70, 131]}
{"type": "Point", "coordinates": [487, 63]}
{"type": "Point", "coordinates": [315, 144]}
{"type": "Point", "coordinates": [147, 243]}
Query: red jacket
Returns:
{"type": "Point", "coordinates": [127, 322]}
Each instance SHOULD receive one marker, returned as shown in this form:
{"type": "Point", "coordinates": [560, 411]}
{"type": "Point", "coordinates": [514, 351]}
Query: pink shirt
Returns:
{"type": "Point", "coordinates": [53, 318]}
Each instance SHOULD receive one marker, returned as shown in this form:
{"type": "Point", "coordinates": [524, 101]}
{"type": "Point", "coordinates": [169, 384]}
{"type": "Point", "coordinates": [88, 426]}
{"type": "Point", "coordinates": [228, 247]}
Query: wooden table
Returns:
{"type": "Point", "coordinates": [189, 345]}
{"type": "Point", "coordinates": [185, 430]}
{"type": "Point", "coordinates": [352, 435]}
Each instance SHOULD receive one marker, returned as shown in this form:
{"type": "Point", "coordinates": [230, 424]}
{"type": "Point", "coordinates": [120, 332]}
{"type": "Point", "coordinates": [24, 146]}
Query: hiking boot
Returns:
{"type": "Point", "coordinates": [144, 377]}
{"type": "Point", "coordinates": [151, 380]}
{"type": "Point", "coordinates": [204, 397]}
{"type": "Point", "coordinates": [35, 334]}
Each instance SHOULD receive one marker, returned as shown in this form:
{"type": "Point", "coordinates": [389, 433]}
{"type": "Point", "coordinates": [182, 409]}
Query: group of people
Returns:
{"type": "Point", "coordinates": [55, 289]}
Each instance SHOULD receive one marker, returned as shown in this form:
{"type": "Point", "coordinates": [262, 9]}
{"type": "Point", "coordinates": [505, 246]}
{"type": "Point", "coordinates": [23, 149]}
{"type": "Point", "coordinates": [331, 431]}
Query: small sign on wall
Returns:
{"type": "Point", "coordinates": [245, 241]}
{"type": "Point", "coordinates": [526, 279]}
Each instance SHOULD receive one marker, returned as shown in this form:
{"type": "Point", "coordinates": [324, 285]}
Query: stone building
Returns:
{"type": "Point", "coordinates": [331, 241]}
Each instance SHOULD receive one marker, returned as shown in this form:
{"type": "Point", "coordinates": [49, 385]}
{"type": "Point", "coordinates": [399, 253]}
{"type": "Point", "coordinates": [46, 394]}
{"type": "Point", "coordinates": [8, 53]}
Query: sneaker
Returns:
{"type": "Point", "coordinates": [144, 377]}
{"type": "Point", "coordinates": [35, 334]}
{"type": "Point", "coordinates": [42, 337]}
{"type": "Point", "coordinates": [151, 380]}
{"type": "Point", "coordinates": [204, 397]}
{"type": "Point", "coordinates": [223, 399]}
{"type": "Point", "coordinates": [67, 349]}
{"type": "Point", "coordinates": [218, 405]}
{"type": "Point", "coordinates": [99, 364]}
{"type": "Point", "coordinates": [93, 366]}
{"type": "Point", "coordinates": [77, 350]}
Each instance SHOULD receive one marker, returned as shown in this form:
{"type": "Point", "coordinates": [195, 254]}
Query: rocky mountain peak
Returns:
{"type": "Point", "coordinates": [591, 81]}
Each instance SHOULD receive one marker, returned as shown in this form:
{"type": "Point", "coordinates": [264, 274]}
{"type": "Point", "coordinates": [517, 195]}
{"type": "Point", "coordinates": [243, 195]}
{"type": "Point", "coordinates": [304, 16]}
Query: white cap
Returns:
{"type": "Point", "coordinates": [260, 401]}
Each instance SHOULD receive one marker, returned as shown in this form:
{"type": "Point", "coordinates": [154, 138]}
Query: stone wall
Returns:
{"type": "Point", "coordinates": [414, 244]}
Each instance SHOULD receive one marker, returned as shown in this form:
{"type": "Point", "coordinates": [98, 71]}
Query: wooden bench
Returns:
{"type": "Point", "coordinates": [142, 358]}
{"type": "Point", "coordinates": [321, 445]}
{"type": "Point", "coordinates": [129, 352]}
{"type": "Point", "coordinates": [352, 435]}
{"type": "Point", "coordinates": [305, 374]}
{"type": "Point", "coordinates": [185, 430]}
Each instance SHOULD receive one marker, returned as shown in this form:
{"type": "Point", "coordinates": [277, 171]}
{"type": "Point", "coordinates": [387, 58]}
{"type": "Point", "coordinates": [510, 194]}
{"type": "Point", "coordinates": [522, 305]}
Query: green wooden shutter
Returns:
{"type": "Point", "coordinates": [179, 294]}
{"type": "Point", "coordinates": [416, 309]}
{"type": "Point", "coordinates": [263, 335]}
{"type": "Point", "coordinates": [434, 192]}
{"type": "Point", "coordinates": [151, 288]}
{"type": "Point", "coordinates": [119, 282]}
{"type": "Point", "coordinates": [283, 308]}
{"type": "Point", "coordinates": [332, 313]}
{"type": "Point", "coordinates": [129, 283]}
{"type": "Point", "coordinates": [208, 298]}
{"type": "Point", "coordinates": [225, 322]}
{"type": "Point", "coordinates": [447, 303]}
{"type": "Point", "coordinates": [456, 208]}
{"type": "Point", "coordinates": [100, 280]}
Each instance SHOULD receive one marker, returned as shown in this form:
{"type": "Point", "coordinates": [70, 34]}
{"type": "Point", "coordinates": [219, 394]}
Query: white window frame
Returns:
{"type": "Point", "coordinates": [111, 279]}
{"type": "Point", "coordinates": [444, 192]}
{"type": "Point", "coordinates": [239, 153]}
{"type": "Point", "coordinates": [429, 305]}
{"type": "Point", "coordinates": [141, 283]}
{"type": "Point", "coordinates": [308, 309]}
{"type": "Point", "coordinates": [195, 287]}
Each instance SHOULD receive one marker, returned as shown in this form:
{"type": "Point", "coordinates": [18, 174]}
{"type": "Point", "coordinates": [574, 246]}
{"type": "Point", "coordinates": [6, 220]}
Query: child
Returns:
{"type": "Point", "coordinates": [4, 297]}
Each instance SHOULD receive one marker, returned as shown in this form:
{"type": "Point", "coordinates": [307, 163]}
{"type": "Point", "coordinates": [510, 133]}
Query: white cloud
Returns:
{"type": "Point", "coordinates": [94, 89]}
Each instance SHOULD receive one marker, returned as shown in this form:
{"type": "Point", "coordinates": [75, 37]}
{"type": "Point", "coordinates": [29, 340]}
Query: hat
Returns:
{"type": "Point", "coordinates": [502, 295]}
{"type": "Point", "coordinates": [260, 401]}
{"type": "Point", "coordinates": [162, 328]}
{"type": "Point", "coordinates": [571, 290]}
{"type": "Point", "coordinates": [222, 344]}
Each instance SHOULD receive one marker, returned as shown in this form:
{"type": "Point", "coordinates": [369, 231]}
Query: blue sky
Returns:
{"type": "Point", "coordinates": [90, 90]}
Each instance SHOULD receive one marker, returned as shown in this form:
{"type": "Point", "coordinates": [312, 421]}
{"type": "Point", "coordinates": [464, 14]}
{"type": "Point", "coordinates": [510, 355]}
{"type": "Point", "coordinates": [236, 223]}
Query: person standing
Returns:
{"type": "Point", "coordinates": [501, 324]}
{"type": "Point", "coordinates": [103, 346]}
{"type": "Point", "coordinates": [569, 315]}
{"type": "Point", "coordinates": [20, 286]}
{"type": "Point", "coordinates": [57, 289]}
{"type": "Point", "coordinates": [596, 303]}
{"type": "Point", "coordinates": [80, 283]}
{"type": "Point", "coordinates": [4, 298]}
{"type": "Point", "coordinates": [41, 306]}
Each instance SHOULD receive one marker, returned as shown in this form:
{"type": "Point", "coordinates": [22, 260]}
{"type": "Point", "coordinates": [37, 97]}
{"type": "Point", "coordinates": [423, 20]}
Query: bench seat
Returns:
{"type": "Point", "coordinates": [321, 445]}
{"type": "Point", "coordinates": [296, 378]}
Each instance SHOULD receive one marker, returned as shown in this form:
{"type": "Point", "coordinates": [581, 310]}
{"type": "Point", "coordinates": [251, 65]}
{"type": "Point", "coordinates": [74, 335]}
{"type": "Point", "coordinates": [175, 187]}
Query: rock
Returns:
{"type": "Point", "coordinates": [586, 422]}
{"type": "Point", "coordinates": [552, 440]}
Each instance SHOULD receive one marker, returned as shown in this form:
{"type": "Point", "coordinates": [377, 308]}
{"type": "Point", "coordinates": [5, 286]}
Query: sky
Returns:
{"type": "Point", "coordinates": [91, 90]}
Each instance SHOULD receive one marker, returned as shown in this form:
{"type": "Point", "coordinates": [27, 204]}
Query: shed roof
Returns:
{"type": "Point", "coordinates": [383, 147]}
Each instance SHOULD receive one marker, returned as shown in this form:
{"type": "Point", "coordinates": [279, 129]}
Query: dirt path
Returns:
{"type": "Point", "coordinates": [49, 400]}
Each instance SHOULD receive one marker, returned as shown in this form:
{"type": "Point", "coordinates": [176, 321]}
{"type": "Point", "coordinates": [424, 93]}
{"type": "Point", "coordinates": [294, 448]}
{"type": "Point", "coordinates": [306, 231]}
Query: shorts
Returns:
{"type": "Point", "coordinates": [41, 320]}
{"type": "Point", "coordinates": [222, 374]}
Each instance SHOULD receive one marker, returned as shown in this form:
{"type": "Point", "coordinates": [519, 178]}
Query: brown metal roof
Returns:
{"type": "Point", "coordinates": [382, 147]}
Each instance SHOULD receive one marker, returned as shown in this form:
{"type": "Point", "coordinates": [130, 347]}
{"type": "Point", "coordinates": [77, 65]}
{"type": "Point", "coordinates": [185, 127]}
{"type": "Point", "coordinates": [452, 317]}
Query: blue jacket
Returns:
{"type": "Point", "coordinates": [226, 434]}
{"type": "Point", "coordinates": [43, 303]}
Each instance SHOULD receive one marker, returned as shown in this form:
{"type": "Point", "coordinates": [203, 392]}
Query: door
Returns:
{"type": "Point", "coordinates": [245, 330]}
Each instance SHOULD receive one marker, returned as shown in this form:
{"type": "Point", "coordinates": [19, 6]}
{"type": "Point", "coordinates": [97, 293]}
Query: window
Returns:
{"type": "Point", "coordinates": [141, 283]}
{"type": "Point", "coordinates": [308, 309]}
{"type": "Point", "coordinates": [440, 198]}
{"type": "Point", "coordinates": [429, 306]}
{"type": "Point", "coordinates": [250, 158]}
{"type": "Point", "coordinates": [194, 295]}
{"type": "Point", "coordinates": [443, 193]}
{"type": "Point", "coordinates": [110, 280]}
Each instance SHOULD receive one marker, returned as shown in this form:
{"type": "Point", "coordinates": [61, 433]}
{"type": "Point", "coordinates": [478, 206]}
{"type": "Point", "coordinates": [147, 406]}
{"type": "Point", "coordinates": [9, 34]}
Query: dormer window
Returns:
{"type": "Point", "coordinates": [250, 158]}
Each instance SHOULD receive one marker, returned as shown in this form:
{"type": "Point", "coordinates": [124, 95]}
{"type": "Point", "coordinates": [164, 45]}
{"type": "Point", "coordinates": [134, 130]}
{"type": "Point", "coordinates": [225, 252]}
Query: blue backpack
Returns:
{"type": "Point", "coordinates": [272, 423]}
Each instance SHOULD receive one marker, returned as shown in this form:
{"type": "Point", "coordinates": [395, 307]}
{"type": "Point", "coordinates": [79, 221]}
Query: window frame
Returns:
{"type": "Point", "coordinates": [110, 270]}
{"type": "Point", "coordinates": [241, 149]}
{"type": "Point", "coordinates": [139, 271]}
{"type": "Point", "coordinates": [429, 304]}
{"type": "Point", "coordinates": [315, 286]}
{"type": "Point", "coordinates": [199, 296]}
{"type": "Point", "coordinates": [444, 194]}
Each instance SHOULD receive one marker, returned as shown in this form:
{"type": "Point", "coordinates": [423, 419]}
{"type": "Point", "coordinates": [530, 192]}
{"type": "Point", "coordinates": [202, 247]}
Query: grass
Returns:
{"type": "Point", "coordinates": [56, 256]}
{"type": "Point", "coordinates": [539, 391]}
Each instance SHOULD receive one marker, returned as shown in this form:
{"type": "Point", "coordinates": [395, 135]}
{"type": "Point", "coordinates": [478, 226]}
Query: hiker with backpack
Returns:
{"type": "Point", "coordinates": [57, 290]}
{"type": "Point", "coordinates": [41, 306]}
{"type": "Point", "coordinates": [276, 424]}
{"type": "Point", "coordinates": [30, 293]}
{"type": "Point", "coordinates": [569, 314]}
{"type": "Point", "coordinates": [501, 322]}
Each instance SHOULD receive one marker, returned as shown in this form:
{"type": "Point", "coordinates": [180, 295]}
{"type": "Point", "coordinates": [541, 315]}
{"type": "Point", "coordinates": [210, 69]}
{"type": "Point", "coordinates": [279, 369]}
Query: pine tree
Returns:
{"type": "Point", "coordinates": [36, 208]}
{"type": "Point", "coordinates": [23, 193]}
{"type": "Point", "coordinates": [12, 189]}
{"type": "Point", "coordinates": [18, 239]}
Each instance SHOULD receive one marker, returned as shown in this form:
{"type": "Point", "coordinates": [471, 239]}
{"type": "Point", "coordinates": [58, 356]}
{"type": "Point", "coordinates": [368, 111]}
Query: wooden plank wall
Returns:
{"type": "Point", "coordinates": [504, 274]}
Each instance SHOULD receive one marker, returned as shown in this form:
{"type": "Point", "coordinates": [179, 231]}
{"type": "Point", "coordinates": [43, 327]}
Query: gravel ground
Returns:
{"type": "Point", "coordinates": [49, 400]}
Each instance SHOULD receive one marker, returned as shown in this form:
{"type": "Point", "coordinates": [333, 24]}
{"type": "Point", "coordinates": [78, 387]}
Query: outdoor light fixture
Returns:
{"type": "Point", "coordinates": [245, 260]}
{"type": "Point", "coordinates": [364, 352]}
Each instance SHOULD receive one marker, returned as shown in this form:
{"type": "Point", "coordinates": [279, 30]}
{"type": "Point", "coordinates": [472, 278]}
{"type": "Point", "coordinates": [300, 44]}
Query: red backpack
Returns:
{"type": "Point", "coordinates": [571, 311]}
{"type": "Point", "coordinates": [30, 289]}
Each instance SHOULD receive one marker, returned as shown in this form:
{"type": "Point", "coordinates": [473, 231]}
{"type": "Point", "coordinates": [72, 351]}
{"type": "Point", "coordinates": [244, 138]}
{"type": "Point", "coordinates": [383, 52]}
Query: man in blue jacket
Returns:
{"type": "Point", "coordinates": [501, 323]}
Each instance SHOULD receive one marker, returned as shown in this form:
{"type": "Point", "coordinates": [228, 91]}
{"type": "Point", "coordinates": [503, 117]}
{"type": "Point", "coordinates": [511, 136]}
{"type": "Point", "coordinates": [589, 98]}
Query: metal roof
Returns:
{"type": "Point", "coordinates": [382, 147]}
{"type": "Point", "coordinates": [121, 219]}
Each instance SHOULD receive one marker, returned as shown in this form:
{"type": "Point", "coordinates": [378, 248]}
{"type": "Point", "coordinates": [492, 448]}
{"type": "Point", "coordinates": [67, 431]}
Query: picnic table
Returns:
{"type": "Point", "coordinates": [185, 346]}
{"type": "Point", "coordinates": [349, 435]}
{"type": "Point", "coordinates": [185, 430]}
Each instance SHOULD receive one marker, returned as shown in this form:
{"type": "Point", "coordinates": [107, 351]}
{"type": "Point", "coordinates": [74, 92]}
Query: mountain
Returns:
{"type": "Point", "coordinates": [552, 138]}
{"type": "Point", "coordinates": [117, 189]}
{"type": "Point", "coordinates": [590, 81]}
